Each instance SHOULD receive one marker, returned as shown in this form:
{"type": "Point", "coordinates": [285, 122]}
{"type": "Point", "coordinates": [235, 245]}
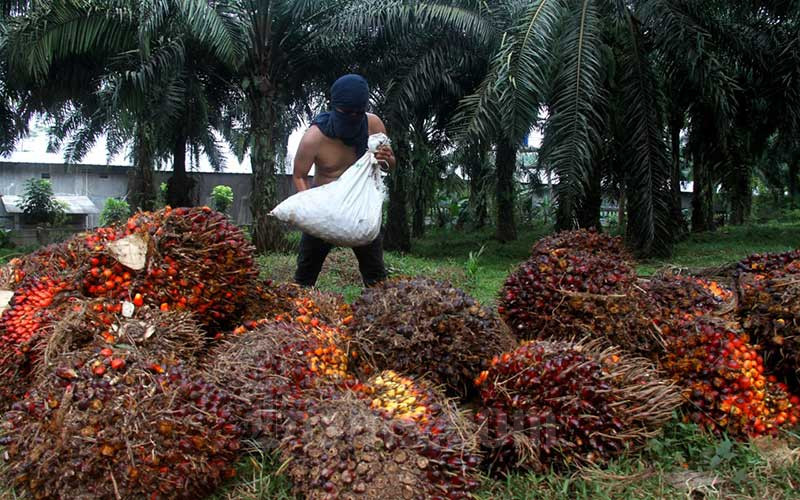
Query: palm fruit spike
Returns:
{"type": "Point", "coordinates": [723, 379]}
{"type": "Point", "coordinates": [340, 447]}
{"type": "Point", "coordinates": [583, 240]}
{"type": "Point", "coordinates": [270, 369]}
{"type": "Point", "coordinates": [566, 294]}
{"type": "Point", "coordinates": [554, 404]}
{"type": "Point", "coordinates": [124, 421]}
{"type": "Point", "coordinates": [424, 327]}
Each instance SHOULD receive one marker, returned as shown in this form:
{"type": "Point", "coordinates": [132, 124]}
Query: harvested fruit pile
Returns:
{"type": "Point", "coordinates": [423, 327]}
{"type": "Point", "coordinates": [130, 422]}
{"type": "Point", "coordinates": [566, 293]}
{"type": "Point", "coordinates": [768, 289]}
{"type": "Point", "coordinates": [136, 360]}
{"type": "Point", "coordinates": [552, 404]}
{"type": "Point", "coordinates": [725, 381]}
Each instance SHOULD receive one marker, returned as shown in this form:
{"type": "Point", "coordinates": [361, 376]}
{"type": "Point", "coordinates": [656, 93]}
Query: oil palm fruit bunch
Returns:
{"type": "Point", "coordinates": [271, 369]}
{"type": "Point", "coordinates": [769, 263]}
{"type": "Point", "coordinates": [768, 289]}
{"type": "Point", "coordinates": [24, 325]}
{"type": "Point", "coordinates": [342, 447]}
{"type": "Point", "coordinates": [551, 404]}
{"type": "Point", "coordinates": [568, 293]}
{"type": "Point", "coordinates": [197, 260]}
{"type": "Point", "coordinates": [424, 327]}
{"type": "Point", "coordinates": [724, 381]}
{"type": "Point", "coordinates": [121, 421]}
{"type": "Point", "coordinates": [583, 240]}
{"type": "Point", "coordinates": [678, 297]}
{"type": "Point", "coordinates": [58, 261]}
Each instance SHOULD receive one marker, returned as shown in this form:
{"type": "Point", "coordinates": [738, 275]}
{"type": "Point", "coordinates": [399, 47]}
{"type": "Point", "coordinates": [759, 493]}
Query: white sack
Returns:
{"type": "Point", "coordinates": [346, 212]}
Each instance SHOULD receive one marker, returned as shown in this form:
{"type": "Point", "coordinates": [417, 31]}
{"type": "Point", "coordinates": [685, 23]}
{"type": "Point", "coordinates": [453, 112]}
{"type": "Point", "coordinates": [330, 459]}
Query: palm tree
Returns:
{"type": "Point", "coordinates": [106, 67]}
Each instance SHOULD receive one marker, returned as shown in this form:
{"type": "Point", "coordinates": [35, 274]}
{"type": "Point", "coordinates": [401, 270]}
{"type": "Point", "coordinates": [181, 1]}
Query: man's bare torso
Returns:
{"type": "Point", "coordinates": [333, 156]}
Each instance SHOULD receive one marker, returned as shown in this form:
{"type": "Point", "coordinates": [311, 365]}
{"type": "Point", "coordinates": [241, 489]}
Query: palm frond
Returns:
{"type": "Point", "coordinates": [644, 151]}
{"type": "Point", "coordinates": [573, 126]}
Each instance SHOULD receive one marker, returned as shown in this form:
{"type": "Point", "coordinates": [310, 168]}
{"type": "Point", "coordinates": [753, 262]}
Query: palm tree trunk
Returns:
{"type": "Point", "coordinates": [267, 232]}
{"type": "Point", "coordinates": [676, 203]}
{"type": "Point", "coordinates": [179, 185]}
{"type": "Point", "coordinates": [506, 166]}
{"type": "Point", "coordinates": [741, 194]}
{"type": "Point", "coordinates": [794, 170]}
{"type": "Point", "coordinates": [589, 209]}
{"type": "Point", "coordinates": [705, 151]}
{"type": "Point", "coordinates": [621, 211]}
{"type": "Point", "coordinates": [397, 235]}
{"type": "Point", "coordinates": [141, 187]}
{"type": "Point", "coordinates": [477, 185]}
{"type": "Point", "coordinates": [418, 217]}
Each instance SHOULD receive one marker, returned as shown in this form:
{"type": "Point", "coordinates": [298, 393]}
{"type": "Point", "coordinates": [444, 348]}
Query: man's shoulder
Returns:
{"type": "Point", "coordinates": [375, 124]}
{"type": "Point", "coordinates": [312, 136]}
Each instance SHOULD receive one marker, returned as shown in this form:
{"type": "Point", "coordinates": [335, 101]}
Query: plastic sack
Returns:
{"type": "Point", "coordinates": [346, 212]}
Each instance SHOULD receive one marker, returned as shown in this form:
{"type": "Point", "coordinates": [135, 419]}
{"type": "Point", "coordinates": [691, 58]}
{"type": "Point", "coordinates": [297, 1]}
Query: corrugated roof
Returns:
{"type": "Point", "coordinates": [73, 204]}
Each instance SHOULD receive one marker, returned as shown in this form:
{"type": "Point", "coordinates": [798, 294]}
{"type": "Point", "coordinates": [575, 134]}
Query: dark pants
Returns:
{"type": "Point", "coordinates": [313, 252]}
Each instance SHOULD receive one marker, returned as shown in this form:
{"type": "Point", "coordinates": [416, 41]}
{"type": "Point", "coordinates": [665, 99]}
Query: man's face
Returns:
{"type": "Point", "coordinates": [351, 115]}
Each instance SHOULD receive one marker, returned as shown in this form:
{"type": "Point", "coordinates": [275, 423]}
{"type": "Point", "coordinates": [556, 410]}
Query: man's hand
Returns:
{"type": "Point", "coordinates": [385, 156]}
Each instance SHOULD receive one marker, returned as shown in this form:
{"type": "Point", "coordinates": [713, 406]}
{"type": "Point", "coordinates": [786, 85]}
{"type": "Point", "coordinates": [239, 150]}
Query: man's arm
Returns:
{"type": "Point", "coordinates": [384, 153]}
{"type": "Point", "coordinates": [304, 158]}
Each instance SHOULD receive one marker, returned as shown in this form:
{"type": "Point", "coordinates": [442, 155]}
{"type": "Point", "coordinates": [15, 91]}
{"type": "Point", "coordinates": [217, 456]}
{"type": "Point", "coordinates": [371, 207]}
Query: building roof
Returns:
{"type": "Point", "coordinates": [73, 204]}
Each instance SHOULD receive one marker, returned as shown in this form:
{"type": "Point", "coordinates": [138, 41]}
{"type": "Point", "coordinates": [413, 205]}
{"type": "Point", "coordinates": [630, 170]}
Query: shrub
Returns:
{"type": "Point", "coordinates": [222, 198]}
{"type": "Point", "coordinates": [114, 212]}
{"type": "Point", "coordinates": [38, 202]}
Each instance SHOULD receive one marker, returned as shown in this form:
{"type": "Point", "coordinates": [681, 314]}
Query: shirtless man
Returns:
{"type": "Point", "coordinates": [335, 140]}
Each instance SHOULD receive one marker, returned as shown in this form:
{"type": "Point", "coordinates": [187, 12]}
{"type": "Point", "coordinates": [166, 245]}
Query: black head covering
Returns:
{"type": "Point", "coordinates": [350, 93]}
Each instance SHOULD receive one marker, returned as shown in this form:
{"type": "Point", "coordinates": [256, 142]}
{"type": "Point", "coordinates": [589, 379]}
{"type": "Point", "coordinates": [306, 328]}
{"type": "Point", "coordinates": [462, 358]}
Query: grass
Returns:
{"type": "Point", "coordinates": [729, 244]}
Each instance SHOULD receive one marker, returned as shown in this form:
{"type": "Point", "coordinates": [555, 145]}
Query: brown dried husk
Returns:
{"type": "Point", "coordinates": [269, 372]}
{"type": "Point", "coordinates": [427, 328]}
{"type": "Point", "coordinates": [556, 404]}
{"type": "Point", "coordinates": [341, 448]}
{"type": "Point", "coordinates": [149, 427]}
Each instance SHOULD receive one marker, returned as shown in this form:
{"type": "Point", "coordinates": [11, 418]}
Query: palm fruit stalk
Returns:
{"type": "Point", "coordinates": [424, 327]}
{"type": "Point", "coordinates": [345, 447]}
{"type": "Point", "coordinates": [724, 382]}
{"type": "Point", "coordinates": [549, 405]}
{"type": "Point", "coordinates": [567, 293]}
{"type": "Point", "coordinates": [122, 421]}
{"type": "Point", "coordinates": [768, 289]}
